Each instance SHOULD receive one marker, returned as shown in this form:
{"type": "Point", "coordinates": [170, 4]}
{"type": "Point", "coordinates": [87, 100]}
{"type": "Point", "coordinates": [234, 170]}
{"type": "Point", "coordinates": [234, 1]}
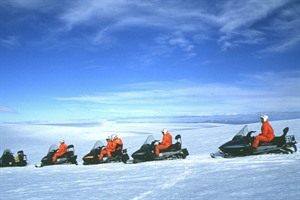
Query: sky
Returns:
{"type": "Point", "coordinates": [99, 59]}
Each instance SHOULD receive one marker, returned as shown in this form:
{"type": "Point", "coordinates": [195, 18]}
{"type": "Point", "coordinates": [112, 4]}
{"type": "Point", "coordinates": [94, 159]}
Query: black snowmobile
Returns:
{"type": "Point", "coordinates": [8, 159]}
{"type": "Point", "coordinates": [68, 158]}
{"type": "Point", "coordinates": [147, 151]}
{"type": "Point", "coordinates": [240, 145]}
{"type": "Point", "coordinates": [120, 155]}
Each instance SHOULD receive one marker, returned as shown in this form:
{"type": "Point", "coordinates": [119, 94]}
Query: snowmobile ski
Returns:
{"type": "Point", "coordinates": [42, 165]}
{"type": "Point", "coordinates": [39, 165]}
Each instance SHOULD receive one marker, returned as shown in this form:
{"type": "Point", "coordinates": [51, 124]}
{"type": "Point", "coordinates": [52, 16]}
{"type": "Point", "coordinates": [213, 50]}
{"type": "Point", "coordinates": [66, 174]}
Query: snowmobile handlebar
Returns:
{"type": "Point", "coordinates": [248, 136]}
{"type": "Point", "coordinates": [249, 133]}
{"type": "Point", "coordinates": [155, 142]}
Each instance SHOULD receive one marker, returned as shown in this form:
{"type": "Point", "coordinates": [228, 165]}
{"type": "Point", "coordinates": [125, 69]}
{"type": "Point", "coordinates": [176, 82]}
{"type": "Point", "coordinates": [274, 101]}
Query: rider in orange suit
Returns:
{"type": "Point", "coordinates": [61, 150]}
{"type": "Point", "coordinates": [267, 132]}
{"type": "Point", "coordinates": [166, 141]}
{"type": "Point", "coordinates": [117, 143]}
{"type": "Point", "coordinates": [109, 148]}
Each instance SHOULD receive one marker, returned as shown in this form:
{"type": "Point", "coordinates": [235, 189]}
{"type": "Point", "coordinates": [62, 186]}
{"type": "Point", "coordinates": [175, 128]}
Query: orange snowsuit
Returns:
{"type": "Point", "coordinates": [116, 142]}
{"type": "Point", "coordinates": [266, 135]}
{"type": "Point", "coordinates": [61, 151]}
{"type": "Point", "coordinates": [108, 149]}
{"type": "Point", "coordinates": [166, 142]}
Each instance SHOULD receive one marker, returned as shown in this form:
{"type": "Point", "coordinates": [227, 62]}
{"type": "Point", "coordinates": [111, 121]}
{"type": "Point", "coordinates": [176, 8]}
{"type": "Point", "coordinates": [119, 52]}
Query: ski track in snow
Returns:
{"type": "Point", "coordinates": [196, 177]}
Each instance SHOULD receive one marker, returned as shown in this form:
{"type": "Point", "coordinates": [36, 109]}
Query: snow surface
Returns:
{"type": "Point", "coordinates": [197, 177]}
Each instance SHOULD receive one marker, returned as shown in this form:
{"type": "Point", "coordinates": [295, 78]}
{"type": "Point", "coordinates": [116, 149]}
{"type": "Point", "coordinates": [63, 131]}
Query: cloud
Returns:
{"type": "Point", "coordinates": [29, 4]}
{"type": "Point", "coordinates": [238, 21]}
{"type": "Point", "coordinates": [181, 24]}
{"type": "Point", "coordinates": [283, 46]}
{"type": "Point", "coordinates": [184, 97]}
{"type": "Point", "coordinates": [287, 27]}
{"type": "Point", "coordinates": [5, 109]}
{"type": "Point", "coordinates": [235, 23]}
{"type": "Point", "coordinates": [19, 6]}
{"type": "Point", "coordinates": [176, 40]}
{"type": "Point", "coordinates": [10, 41]}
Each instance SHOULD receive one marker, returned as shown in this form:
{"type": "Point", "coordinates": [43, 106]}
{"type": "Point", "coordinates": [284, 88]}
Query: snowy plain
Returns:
{"type": "Point", "coordinates": [197, 177]}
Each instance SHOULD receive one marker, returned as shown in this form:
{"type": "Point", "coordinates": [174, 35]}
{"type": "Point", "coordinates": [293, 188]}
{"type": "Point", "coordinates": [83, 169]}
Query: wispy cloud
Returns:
{"type": "Point", "coordinates": [6, 109]}
{"type": "Point", "coordinates": [286, 29]}
{"type": "Point", "coordinates": [186, 97]}
{"type": "Point", "coordinates": [10, 41]}
{"type": "Point", "coordinates": [235, 23]}
{"type": "Point", "coordinates": [229, 23]}
{"type": "Point", "coordinates": [283, 46]}
{"type": "Point", "coordinates": [239, 22]}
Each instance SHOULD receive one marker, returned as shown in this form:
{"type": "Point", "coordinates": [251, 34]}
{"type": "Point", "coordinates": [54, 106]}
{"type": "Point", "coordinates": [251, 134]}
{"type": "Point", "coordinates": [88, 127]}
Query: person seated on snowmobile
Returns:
{"type": "Point", "coordinates": [20, 159]}
{"type": "Point", "coordinates": [62, 149]}
{"type": "Point", "coordinates": [267, 132]}
{"type": "Point", "coordinates": [166, 141]}
{"type": "Point", "coordinates": [7, 158]}
{"type": "Point", "coordinates": [117, 143]}
{"type": "Point", "coordinates": [108, 149]}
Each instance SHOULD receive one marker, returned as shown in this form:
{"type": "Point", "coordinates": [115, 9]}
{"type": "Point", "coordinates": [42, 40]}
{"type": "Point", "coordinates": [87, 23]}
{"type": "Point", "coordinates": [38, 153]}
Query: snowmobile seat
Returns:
{"type": "Point", "coordinates": [173, 147]}
{"type": "Point", "coordinates": [118, 151]}
{"type": "Point", "coordinates": [70, 151]}
{"type": "Point", "coordinates": [21, 159]}
{"type": "Point", "coordinates": [119, 147]}
{"type": "Point", "coordinates": [278, 141]}
{"type": "Point", "coordinates": [265, 143]}
{"type": "Point", "coordinates": [21, 156]}
{"type": "Point", "coordinates": [21, 152]}
{"type": "Point", "coordinates": [268, 143]}
{"type": "Point", "coordinates": [178, 137]}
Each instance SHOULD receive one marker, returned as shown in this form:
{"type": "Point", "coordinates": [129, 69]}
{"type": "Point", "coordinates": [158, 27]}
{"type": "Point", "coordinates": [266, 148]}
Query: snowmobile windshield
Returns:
{"type": "Point", "coordinates": [98, 144]}
{"type": "Point", "coordinates": [241, 133]}
{"type": "Point", "coordinates": [6, 151]}
{"type": "Point", "coordinates": [149, 139]}
{"type": "Point", "coordinates": [52, 148]}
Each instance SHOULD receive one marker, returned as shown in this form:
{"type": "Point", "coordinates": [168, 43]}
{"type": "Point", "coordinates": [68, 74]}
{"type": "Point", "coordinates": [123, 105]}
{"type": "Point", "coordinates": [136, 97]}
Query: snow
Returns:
{"type": "Point", "coordinates": [197, 177]}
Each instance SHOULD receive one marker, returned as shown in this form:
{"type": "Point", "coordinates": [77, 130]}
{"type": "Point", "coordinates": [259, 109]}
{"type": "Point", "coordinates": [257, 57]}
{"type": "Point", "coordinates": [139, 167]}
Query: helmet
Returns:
{"type": "Point", "coordinates": [264, 117]}
{"type": "Point", "coordinates": [164, 130]}
{"type": "Point", "coordinates": [62, 141]}
{"type": "Point", "coordinates": [108, 138]}
{"type": "Point", "coordinates": [114, 136]}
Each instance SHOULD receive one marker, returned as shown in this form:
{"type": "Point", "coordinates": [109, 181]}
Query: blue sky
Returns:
{"type": "Point", "coordinates": [88, 60]}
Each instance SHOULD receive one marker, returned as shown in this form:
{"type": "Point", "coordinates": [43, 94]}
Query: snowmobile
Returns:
{"type": "Point", "coordinates": [120, 155]}
{"type": "Point", "coordinates": [68, 158]}
{"type": "Point", "coordinates": [147, 151]}
{"type": "Point", "coordinates": [8, 159]}
{"type": "Point", "coordinates": [241, 145]}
